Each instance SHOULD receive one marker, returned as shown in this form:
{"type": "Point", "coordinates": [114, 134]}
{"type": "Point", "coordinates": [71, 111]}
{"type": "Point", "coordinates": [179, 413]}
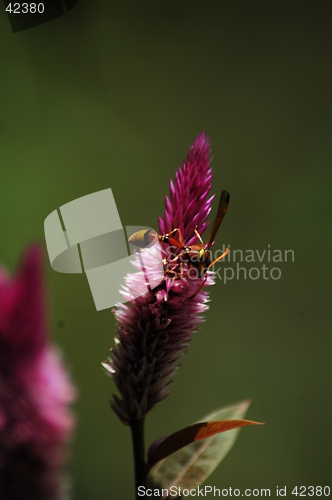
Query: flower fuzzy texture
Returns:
{"type": "Point", "coordinates": [34, 391]}
{"type": "Point", "coordinates": [154, 330]}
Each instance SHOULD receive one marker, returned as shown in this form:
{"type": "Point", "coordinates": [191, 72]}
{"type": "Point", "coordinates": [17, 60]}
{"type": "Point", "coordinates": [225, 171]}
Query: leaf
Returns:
{"type": "Point", "coordinates": [190, 466]}
{"type": "Point", "coordinates": [195, 432]}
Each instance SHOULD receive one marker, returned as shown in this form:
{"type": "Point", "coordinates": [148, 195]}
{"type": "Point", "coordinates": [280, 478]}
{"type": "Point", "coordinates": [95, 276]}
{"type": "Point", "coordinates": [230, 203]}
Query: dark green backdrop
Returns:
{"type": "Point", "coordinates": [111, 95]}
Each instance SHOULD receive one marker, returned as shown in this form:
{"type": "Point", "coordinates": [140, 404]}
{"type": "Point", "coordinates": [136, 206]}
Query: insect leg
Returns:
{"type": "Point", "coordinates": [166, 237]}
{"type": "Point", "coordinates": [173, 273]}
{"type": "Point", "coordinates": [219, 258]}
{"type": "Point", "coordinates": [199, 288]}
{"type": "Point", "coordinates": [174, 262]}
{"type": "Point", "coordinates": [198, 236]}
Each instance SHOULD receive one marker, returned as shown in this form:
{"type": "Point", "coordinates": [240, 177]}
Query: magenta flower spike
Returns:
{"type": "Point", "coordinates": [189, 206]}
{"type": "Point", "coordinates": [35, 391]}
{"type": "Point", "coordinates": [154, 330]}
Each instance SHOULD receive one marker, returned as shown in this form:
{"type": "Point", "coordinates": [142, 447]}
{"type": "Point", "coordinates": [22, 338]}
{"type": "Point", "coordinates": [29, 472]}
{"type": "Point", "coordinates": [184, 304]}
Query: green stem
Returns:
{"type": "Point", "coordinates": [137, 435]}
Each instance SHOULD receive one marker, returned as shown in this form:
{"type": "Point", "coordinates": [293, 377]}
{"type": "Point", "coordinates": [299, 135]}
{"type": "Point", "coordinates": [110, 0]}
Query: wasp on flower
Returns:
{"type": "Point", "coordinates": [196, 256]}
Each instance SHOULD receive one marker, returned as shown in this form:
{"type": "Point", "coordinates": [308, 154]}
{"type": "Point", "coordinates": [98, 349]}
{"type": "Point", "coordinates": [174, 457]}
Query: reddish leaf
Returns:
{"type": "Point", "coordinates": [190, 434]}
{"type": "Point", "coordinates": [190, 466]}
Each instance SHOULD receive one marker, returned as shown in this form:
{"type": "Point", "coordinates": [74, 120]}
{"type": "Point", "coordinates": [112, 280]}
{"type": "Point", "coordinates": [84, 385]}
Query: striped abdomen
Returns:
{"type": "Point", "coordinates": [143, 238]}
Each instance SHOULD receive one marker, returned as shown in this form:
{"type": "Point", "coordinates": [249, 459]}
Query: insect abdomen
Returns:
{"type": "Point", "coordinates": [143, 238]}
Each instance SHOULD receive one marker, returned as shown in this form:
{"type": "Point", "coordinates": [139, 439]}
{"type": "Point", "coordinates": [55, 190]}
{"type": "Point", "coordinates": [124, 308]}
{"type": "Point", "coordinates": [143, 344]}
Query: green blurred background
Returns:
{"type": "Point", "coordinates": [112, 94]}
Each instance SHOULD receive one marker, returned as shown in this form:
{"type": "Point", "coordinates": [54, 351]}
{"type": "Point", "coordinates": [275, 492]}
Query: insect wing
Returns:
{"type": "Point", "coordinates": [222, 209]}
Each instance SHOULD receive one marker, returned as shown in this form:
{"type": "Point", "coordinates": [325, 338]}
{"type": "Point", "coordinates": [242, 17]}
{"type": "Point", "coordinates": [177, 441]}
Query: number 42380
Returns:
{"type": "Point", "coordinates": [25, 8]}
{"type": "Point", "coordinates": [310, 491]}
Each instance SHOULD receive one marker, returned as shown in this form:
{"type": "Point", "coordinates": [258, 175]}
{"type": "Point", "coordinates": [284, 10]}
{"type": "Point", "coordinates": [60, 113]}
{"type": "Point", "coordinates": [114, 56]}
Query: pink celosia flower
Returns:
{"type": "Point", "coordinates": [34, 391]}
{"type": "Point", "coordinates": [154, 330]}
{"type": "Point", "coordinates": [190, 206]}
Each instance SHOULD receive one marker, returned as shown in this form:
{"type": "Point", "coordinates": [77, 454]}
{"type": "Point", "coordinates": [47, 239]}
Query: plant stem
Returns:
{"type": "Point", "coordinates": [137, 435]}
